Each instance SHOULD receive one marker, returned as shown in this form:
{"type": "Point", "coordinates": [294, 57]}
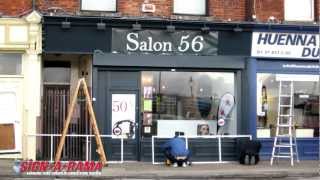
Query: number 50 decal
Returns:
{"type": "Point", "coordinates": [196, 44]}
{"type": "Point", "coordinates": [121, 106]}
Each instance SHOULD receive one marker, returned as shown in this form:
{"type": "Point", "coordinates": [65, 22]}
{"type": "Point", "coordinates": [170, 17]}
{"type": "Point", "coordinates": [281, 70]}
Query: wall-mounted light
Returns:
{"type": "Point", "coordinates": [171, 28]}
{"type": "Point", "coordinates": [101, 26]}
{"type": "Point", "coordinates": [136, 27]}
{"type": "Point", "coordinates": [272, 19]}
{"type": "Point", "coordinates": [205, 29]}
{"type": "Point", "coordinates": [65, 25]}
{"type": "Point", "coordinates": [254, 17]}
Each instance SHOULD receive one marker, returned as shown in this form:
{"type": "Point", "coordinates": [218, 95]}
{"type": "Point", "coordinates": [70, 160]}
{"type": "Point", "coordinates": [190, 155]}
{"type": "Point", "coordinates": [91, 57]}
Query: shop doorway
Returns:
{"type": "Point", "coordinates": [117, 110]}
{"type": "Point", "coordinates": [55, 103]}
{"type": "Point", "coordinates": [124, 123]}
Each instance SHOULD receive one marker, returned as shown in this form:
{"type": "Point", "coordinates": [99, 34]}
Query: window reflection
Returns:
{"type": "Point", "coordinates": [185, 99]}
{"type": "Point", "coordinates": [306, 104]}
{"type": "Point", "coordinates": [10, 64]}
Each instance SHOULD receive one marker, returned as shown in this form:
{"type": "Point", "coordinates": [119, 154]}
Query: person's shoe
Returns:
{"type": "Point", "coordinates": [184, 164]}
{"type": "Point", "coordinates": [167, 162]}
{"type": "Point", "coordinates": [175, 165]}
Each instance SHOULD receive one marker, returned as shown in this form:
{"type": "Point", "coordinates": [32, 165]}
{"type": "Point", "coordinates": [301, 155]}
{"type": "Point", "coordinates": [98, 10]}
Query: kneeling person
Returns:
{"type": "Point", "coordinates": [176, 152]}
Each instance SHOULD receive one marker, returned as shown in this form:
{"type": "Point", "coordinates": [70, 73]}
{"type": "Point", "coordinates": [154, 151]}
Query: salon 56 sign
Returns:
{"type": "Point", "coordinates": [163, 42]}
{"type": "Point", "coordinates": [285, 45]}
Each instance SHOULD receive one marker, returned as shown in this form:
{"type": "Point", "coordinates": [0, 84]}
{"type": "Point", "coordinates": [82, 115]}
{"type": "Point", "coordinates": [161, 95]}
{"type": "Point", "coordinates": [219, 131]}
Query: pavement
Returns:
{"type": "Point", "coordinates": [145, 170]}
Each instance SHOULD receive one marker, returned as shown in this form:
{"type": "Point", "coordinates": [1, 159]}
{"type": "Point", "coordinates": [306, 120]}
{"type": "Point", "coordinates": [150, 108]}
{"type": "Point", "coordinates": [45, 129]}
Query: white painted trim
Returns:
{"type": "Point", "coordinates": [99, 5]}
{"type": "Point", "coordinates": [286, 18]}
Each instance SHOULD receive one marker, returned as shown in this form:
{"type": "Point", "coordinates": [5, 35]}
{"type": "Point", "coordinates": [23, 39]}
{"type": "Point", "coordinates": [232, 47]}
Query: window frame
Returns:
{"type": "Point", "coordinates": [235, 112]}
{"type": "Point", "coordinates": [312, 18]}
{"type": "Point", "coordinates": [191, 14]}
{"type": "Point", "coordinates": [89, 10]}
{"type": "Point", "coordinates": [270, 72]}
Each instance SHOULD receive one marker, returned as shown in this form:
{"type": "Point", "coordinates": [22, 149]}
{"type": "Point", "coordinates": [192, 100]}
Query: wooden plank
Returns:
{"type": "Point", "coordinates": [67, 122]}
{"type": "Point", "coordinates": [7, 137]}
{"type": "Point", "coordinates": [100, 149]}
{"type": "Point", "coordinates": [93, 122]}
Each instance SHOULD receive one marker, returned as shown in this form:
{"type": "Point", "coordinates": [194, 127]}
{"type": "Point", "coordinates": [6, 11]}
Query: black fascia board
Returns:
{"type": "Point", "coordinates": [158, 23]}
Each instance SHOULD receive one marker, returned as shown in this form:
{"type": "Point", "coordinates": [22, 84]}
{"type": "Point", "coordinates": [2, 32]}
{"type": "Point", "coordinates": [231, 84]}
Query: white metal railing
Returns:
{"type": "Point", "coordinates": [204, 137]}
{"type": "Point", "coordinates": [87, 136]}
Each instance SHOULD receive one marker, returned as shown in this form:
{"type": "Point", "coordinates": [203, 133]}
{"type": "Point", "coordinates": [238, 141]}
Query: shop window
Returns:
{"type": "Point", "coordinates": [10, 64]}
{"type": "Point", "coordinates": [306, 104]}
{"type": "Point", "coordinates": [189, 7]}
{"type": "Point", "coordinates": [299, 10]}
{"type": "Point", "coordinates": [99, 5]}
{"type": "Point", "coordinates": [185, 101]}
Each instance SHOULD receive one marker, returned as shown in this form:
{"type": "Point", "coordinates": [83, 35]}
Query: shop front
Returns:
{"type": "Point", "coordinates": [149, 81]}
{"type": "Point", "coordinates": [155, 83]}
{"type": "Point", "coordinates": [287, 56]}
{"type": "Point", "coordinates": [20, 46]}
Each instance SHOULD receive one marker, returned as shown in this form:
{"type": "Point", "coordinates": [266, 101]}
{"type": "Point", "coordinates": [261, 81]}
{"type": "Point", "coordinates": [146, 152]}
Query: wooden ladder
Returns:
{"type": "Point", "coordinates": [93, 121]}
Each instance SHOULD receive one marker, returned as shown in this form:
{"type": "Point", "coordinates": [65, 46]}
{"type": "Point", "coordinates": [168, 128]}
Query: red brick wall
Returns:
{"type": "Point", "coordinates": [234, 10]}
{"type": "Point", "coordinates": [133, 8]}
{"type": "Point", "coordinates": [220, 9]}
{"type": "Point", "coordinates": [317, 10]}
{"type": "Point", "coordinates": [67, 6]}
{"type": "Point", "coordinates": [15, 7]}
{"type": "Point", "coordinates": [266, 8]}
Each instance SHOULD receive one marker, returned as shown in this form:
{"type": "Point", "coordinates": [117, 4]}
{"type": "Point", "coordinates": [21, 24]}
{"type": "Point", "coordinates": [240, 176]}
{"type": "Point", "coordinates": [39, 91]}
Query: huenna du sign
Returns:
{"type": "Point", "coordinates": [161, 42]}
{"type": "Point", "coordinates": [285, 45]}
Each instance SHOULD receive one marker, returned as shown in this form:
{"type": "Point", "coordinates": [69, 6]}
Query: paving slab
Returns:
{"type": "Point", "coordinates": [232, 170]}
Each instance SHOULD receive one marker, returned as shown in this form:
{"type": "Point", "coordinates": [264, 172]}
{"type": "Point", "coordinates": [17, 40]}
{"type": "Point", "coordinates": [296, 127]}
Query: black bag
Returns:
{"type": "Point", "coordinates": [248, 151]}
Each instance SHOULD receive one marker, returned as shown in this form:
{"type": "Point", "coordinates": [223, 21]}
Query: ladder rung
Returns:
{"type": "Point", "coordinates": [285, 115]}
{"type": "Point", "coordinates": [284, 145]}
{"type": "Point", "coordinates": [285, 105]}
{"type": "Point", "coordinates": [285, 95]}
{"type": "Point", "coordinates": [283, 135]}
{"type": "Point", "coordinates": [281, 156]}
{"type": "Point", "coordinates": [284, 125]}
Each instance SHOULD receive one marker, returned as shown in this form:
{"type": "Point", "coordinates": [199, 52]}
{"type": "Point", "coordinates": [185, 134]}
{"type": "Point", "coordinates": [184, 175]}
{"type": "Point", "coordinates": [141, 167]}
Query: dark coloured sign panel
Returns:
{"type": "Point", "coordinates": [162, 42]}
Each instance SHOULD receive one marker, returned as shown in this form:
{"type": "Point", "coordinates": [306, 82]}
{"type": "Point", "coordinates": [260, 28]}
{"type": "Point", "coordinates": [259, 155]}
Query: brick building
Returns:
{"type": "Point", "coordinates": [212, 10]}
{"type": "Point", "coordinates": [166, 64]}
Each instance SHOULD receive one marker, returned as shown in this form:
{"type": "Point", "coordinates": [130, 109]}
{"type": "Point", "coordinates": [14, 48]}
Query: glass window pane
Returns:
{"type": "Point", "coordinates": [185, 101]}
{"type": "Point", "coordinates": [306, 104]}
{"type": "Point", "coordinates": [57, 75]}
{"type": "Point", "coordinates": [194, 7]}
{"type": "Point", "coordinates": [99, 5]}
{"type": "Point", "coordinates": [10, 64]}
{"type": "Point", "coordinates": [299, 10]}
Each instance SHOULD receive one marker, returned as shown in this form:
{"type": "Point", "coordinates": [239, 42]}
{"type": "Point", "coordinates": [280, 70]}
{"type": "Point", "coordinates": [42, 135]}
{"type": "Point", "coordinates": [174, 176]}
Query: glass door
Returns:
{"type": "Point", "coordinates": [124, 124]}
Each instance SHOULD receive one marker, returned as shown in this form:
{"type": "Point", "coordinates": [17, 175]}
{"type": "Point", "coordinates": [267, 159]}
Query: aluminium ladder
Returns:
{"type": "Point", "coordinates": [285, 139]}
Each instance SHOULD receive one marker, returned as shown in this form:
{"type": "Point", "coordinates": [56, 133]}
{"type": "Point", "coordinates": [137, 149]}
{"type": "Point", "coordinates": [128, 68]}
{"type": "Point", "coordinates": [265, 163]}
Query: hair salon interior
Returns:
{"type": "Point", "coordinates": [157, 67]}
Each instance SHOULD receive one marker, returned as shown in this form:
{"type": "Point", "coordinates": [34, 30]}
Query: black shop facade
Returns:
{"type": "Point", "coordinates": [150, 79]}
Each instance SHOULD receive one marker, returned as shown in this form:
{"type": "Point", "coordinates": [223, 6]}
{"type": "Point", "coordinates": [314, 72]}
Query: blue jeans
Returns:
{"type": "Point", "coordinates": [173, 159]}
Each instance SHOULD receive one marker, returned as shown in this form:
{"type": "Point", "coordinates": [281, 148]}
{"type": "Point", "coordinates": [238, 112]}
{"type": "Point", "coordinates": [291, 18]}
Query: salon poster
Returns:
{"type": "Point", "coordinates": [123, 115]}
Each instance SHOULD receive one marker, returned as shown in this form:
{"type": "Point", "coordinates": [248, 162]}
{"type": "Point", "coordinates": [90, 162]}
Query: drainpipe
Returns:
{"type": "Point", "coordinates": [33, 5]}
